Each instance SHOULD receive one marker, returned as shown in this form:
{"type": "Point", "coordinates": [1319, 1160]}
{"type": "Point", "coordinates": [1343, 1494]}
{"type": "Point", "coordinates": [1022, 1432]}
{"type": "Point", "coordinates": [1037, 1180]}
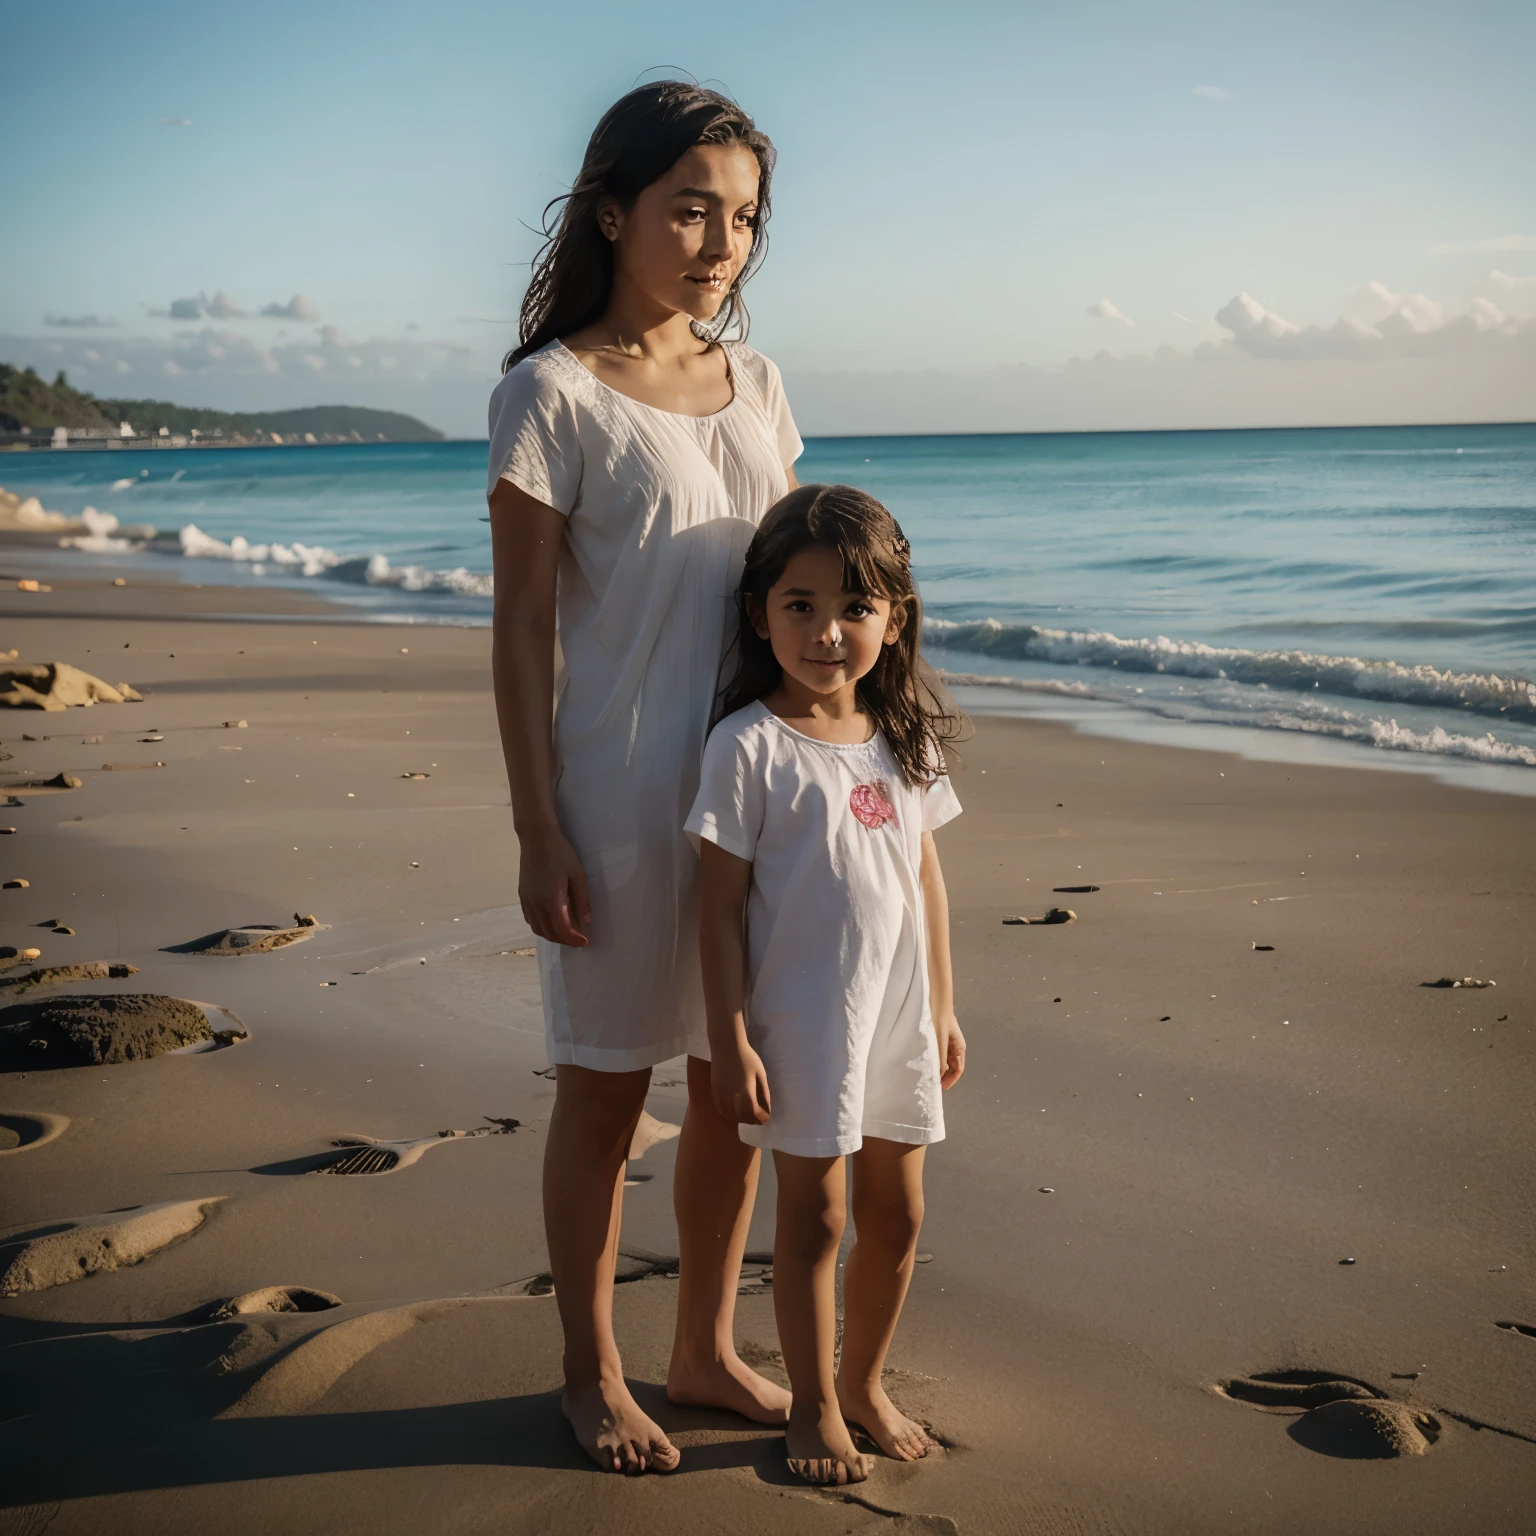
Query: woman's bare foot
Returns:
{"type": "Point", "coordinates": [614, 1432]}
{"type": "Point", "coordinates": [728, 1383]}
{"type": "Point", "coordinates": [821, 1451]}
{"type": "Point", "coordinates": [898, 1436]}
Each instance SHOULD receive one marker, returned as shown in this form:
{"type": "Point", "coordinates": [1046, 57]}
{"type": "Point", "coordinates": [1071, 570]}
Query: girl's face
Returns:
{"type": "Point", "coordinates": [824, 638]}
{"type": "Point", "coordinates": [689, 233]}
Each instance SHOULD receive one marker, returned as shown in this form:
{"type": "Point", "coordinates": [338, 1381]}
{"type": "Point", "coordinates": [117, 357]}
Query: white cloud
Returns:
{"type": "Point", "coordinates": [1213, 93]}
{"type": "Point", "coordinates": [1375, 302]}
{"type": "Point", "coordinates": [297, 308]}
{"type": "Point", "coordinates": [79, 322]}
{"type": "Point", "coordinates": [184, 309]}
{"type": "Point", "coordinates": [1378, 323]}
{"type": "Point", "coordinates": [177, 122]}
{"type": "Point", "coordinates": [1496, 243]}
{"type": "Point", "coordinates": [334, 336]}
{"type": "Point", "coordinates": [1104, 310]}
{"type": "Point", "coordinates": [1184, 318]}
{"type": "Point", "coordinates": [312, 360]}
{"type": "Point", "coordinates": [171, 366]}
{"type": "Point", "coordinates": [222, 307]}
{"type": "Point", "coordinates": [1506, 280]}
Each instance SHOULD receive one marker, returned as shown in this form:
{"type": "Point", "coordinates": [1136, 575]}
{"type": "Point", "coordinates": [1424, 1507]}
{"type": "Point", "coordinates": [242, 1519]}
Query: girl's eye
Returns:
{"type": "Point", "coordinates": [859, 610]}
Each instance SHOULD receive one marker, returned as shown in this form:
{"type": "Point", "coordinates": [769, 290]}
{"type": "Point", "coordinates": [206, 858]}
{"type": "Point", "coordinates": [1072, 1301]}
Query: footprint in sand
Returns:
{"type": "Point", "coordinates": [648, 1133]}
{"type": "Point", "coordinates": [253, 939]}
{"type": "Point", "coordinates": [274, 1298]}
{"type": "Point", "coordinates": [41, 1256]}
{"type": "Point", "coordinates": [373, 1154]}
{"type": "Point", "coordinates": [105, 1029]}
{"type": "Point", "coordinates": [1338, 1415]}
{"type": "Point", "coordinates": [26, 1130]}
{"type": "Point", "coordinates": [1524, 1329]}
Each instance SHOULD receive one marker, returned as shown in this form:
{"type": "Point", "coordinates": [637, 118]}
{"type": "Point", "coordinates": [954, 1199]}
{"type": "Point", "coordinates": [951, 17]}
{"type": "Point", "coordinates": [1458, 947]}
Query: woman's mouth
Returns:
{"type": "Point", "coordinates": [715, 284]}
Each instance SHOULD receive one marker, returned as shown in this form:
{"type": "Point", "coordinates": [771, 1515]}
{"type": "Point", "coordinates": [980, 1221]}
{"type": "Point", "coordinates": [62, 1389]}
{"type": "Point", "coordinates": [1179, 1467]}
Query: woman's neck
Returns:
{"type": "Point", "coordinates": [636, 326]}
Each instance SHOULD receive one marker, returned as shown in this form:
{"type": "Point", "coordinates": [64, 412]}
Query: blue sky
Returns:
{"type": "Point", "coordinates": [959, 187]}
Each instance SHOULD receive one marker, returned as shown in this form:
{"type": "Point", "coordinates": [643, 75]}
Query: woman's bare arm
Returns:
{"type": "Point", "coordinates": [941, 977]}
{"type": "Point", "coordinates": [525, 549]}
{"type": "Point", "coordinates": [737, 1077]}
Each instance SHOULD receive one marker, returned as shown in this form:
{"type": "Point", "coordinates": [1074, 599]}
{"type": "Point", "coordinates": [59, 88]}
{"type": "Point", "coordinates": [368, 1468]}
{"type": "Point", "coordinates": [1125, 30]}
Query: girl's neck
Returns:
{"type": "Point", "coordinates": [831, 717]}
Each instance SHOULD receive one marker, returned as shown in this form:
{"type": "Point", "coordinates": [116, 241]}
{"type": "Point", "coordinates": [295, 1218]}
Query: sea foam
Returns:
{"type": "Point", "coordinates": [1299, 671]}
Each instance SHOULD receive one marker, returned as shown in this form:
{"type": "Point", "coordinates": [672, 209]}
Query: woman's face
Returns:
{"type": "Point", "coordinates": [689, 233]}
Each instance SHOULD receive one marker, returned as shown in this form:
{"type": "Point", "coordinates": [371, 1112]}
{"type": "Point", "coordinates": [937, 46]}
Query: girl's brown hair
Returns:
{"type": "Point", "coordinates": [901, 693]}
{"type": "Point", "coordinates": [640, 138]}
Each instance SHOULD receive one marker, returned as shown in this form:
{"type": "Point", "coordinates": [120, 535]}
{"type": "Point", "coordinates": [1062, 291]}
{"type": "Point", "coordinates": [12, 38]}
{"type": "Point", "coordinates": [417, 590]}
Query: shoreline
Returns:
{"type": "Point", "coordinates": [88, 576]}
{"type": "Point", "coordinates": [1219, 1126]}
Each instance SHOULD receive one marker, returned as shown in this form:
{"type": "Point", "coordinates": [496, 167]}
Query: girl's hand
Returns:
{"type": "Point", "coordinates": [552, 887]}
{"type": "Point", "coordinates": [951, 1050]}
{"type": "Point", "coordinates": [740, 1084]}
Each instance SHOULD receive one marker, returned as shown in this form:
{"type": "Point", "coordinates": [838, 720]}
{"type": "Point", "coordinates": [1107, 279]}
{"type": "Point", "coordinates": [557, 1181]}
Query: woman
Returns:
{"type": "Point", "coordinates": [633, 452]}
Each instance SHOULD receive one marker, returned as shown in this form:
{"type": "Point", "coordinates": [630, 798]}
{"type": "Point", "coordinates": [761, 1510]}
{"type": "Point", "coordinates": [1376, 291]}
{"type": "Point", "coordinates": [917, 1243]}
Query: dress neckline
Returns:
{"type": "Point", "coordinates": [730, 373]}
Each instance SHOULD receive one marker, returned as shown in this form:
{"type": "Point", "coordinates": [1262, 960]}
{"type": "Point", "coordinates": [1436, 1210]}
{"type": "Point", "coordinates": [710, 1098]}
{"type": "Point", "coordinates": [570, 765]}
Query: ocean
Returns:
{"type": "Point", "coordinates": [1367, 594]}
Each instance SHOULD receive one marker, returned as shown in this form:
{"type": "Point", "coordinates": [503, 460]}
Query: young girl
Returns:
{"type": "Point", "coordinates": [824, 935]}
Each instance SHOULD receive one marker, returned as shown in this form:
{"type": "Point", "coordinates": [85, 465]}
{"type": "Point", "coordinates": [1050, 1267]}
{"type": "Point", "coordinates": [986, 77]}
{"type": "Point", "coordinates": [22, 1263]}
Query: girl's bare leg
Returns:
{"type": "Point", "coordinates": [810, 1226]}
{"type": "Point", "coordinates": [887, 1216]}
{"type": "Point", "coordinates": [589, 1135]}
{"type": "Point", "coordinates": [715, 1186]}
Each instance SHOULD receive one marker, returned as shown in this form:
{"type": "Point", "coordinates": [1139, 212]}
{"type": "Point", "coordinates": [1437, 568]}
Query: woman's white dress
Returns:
{"type": "Point", "coordinates": [659, 510]}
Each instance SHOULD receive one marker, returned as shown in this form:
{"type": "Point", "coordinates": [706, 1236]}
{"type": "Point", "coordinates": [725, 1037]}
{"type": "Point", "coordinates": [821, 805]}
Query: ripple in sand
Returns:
{"type": "Point", "coordinates": [54, 1253]}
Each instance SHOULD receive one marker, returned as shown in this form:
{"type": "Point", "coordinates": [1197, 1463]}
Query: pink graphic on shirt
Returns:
{"type": "Point", "coordinates": [871, 803]}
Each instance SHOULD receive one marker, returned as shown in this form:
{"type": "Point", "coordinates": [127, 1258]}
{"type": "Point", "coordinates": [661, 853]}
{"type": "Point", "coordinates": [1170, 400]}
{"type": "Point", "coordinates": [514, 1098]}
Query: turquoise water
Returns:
{"type": "Point", "coordinates": [1375, 585]}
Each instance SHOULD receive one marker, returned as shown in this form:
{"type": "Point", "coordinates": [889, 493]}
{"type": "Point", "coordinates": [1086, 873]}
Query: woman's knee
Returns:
{"type": "Point", "coordinates": [891, 1222]}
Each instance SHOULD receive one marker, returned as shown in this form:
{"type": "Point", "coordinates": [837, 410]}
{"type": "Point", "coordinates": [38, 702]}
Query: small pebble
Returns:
{"type": "Point", "coordinates": [17, 885]}
{"type": "Point", "coordinates": [924, 1258]}
{"type": "Point", "coordinates": [1346, 1261]}
{"type": "Point", "coordinates": [117, 581]}
{"type": "Point", "coordinates": [1045, 1189]}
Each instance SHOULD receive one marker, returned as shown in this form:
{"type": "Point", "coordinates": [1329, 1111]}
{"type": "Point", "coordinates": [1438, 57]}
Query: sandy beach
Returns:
{"type": "Point", "coordinates": [1223, 1169]}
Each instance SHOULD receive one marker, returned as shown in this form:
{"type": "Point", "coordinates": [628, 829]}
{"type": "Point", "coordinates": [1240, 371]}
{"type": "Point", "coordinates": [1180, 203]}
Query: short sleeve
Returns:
{"type": "Point", "coordinates": [534, 440]}
{"type": "Point", "coordinates": [784, 429]}
{"type": "Point", "coordinates": [940, 803]}
{"type": "Point", "coordinates": [728, 810]}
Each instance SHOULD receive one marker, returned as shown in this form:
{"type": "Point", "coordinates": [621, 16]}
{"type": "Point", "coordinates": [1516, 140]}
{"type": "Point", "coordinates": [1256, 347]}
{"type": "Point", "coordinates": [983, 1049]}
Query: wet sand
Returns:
{"type": "Point", "coordinates": [1219, 1126]}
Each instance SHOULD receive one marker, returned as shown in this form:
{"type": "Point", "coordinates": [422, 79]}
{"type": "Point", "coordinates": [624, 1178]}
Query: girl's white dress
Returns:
{"type": "Point", "coordinates": [836, 944]}
{"type": "Point", "coordinates": [659, 511]}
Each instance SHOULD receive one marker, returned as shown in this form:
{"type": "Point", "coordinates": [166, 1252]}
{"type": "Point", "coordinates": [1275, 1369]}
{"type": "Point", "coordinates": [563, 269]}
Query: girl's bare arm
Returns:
{"type": "Point", "coordinates": [941, 976]}
{"type": "Point", "coordinates": [525, 548]}
{"type": "Point", "coordinates": [739, 1082]}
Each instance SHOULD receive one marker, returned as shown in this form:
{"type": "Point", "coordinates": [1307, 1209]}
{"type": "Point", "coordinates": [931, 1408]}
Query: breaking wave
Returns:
{"type": "Point", "coordinates": [1388, 682]}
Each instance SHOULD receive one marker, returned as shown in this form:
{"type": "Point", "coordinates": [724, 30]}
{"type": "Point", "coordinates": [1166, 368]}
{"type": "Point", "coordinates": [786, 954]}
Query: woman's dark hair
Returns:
{"type": "Point", "coordinates": [901, 693]}
{"type": "Point", "coordinates": [640, 138]}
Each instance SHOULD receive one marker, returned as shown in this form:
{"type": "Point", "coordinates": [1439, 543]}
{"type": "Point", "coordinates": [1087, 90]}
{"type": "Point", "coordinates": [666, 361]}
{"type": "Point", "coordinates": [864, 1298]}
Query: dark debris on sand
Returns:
{"type": "Point", "coordinates": [101, 1030]}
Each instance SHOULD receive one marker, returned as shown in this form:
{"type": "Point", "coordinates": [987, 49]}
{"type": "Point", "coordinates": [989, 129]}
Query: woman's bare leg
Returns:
{"type": "Point", "coordinates": [887, 1216]}
{"type": "Point", "coordinates": [715, 1186]}
{"type": "Point", "coordinates": [589, 1135]}
{"type": "Point", "coordinates": [810, 1226]}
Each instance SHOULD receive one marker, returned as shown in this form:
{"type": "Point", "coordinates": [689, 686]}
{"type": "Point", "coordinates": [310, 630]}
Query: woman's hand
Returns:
{"type": "Point", "coordinates": [552, 887]}
{"type": "Point", "coordinates": [740, 1084]}
{"type": "Point", "coordinates": [951, 1050]}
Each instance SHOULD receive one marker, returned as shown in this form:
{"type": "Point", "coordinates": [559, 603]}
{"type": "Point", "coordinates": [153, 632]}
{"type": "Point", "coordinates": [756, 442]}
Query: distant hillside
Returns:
{"type": "Point", "coordinates": [27, 400]}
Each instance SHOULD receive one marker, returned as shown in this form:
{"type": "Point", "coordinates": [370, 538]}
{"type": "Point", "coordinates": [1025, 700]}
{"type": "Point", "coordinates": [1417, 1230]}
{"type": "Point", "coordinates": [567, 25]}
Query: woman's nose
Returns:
{"type": "Point", "coordinates": [717, 237]}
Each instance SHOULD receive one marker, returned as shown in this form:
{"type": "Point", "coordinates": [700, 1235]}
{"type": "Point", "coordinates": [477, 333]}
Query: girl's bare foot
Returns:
{"type": "Point", "coordinates": [728, 1383]}
{"type": "Point", "coordinates": [821, 1451]}
{"type": "Point", "coordinates": [898, 1436]}
{"type": "Point", "coordinates": [614, 1432]}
